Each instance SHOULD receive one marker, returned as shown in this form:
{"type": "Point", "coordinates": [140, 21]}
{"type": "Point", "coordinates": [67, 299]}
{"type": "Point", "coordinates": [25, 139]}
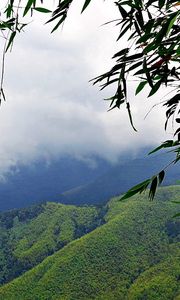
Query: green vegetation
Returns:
{"type": "Point", "coordinates": [160, 281]}
{"type": "Point", "coordinates": [134, 255]}
{"type": "Point", "coordinates": [27, 236]}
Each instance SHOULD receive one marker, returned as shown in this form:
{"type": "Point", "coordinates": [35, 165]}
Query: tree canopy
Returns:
{"type": "Point", "coordinates": [151, 56]}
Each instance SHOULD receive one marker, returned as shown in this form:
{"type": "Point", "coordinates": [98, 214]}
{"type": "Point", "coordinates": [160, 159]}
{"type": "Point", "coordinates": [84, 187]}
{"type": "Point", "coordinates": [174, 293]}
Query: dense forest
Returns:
{"type": "Point", "coordinates": [122, 250]}
{"type": "Point", "coordinates": [29, 235]}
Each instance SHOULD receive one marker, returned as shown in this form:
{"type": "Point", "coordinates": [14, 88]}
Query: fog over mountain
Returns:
{"type": "Point", "coordinates": [52, 110]}
{"type": "Point", "coordinates": [81, 182]}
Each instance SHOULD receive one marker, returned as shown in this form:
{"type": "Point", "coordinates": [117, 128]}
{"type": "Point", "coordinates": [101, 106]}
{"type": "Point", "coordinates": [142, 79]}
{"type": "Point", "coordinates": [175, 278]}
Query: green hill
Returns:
{"type": "Point", "coordinates": [134, 255]}
{"type": "Point", "coordinates": [160, 281]}
{"type": "Point", "coordinates": [27, 236]}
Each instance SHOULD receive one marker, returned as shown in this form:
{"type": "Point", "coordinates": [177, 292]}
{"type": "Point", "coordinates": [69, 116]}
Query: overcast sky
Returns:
{"type": "Point", "coordinates": [51, 107]}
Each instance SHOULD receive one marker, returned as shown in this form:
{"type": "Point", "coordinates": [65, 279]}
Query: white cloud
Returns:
{"type": "Point", "coordinates": [52, 109]}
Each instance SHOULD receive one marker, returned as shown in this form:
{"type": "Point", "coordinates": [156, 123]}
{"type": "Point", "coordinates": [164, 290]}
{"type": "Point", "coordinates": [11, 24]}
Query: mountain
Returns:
{"type": "Point", "coordinates": [42, 181]}
{"type": "Point", "coordinates": [119, 178]}
{"type": "Point", "coordinates": [29, 235]}
{"type": "Point", "coordinates": [78, 181]}
{"type": "Point", "coordinates": [132, 254]}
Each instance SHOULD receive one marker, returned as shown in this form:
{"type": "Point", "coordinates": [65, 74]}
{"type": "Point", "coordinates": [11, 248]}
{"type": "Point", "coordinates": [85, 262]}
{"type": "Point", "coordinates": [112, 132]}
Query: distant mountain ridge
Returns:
{"type": "Point", "coordinates": [119, 178]}
{"type": "Point", "coordinates": [75, 181]}
{"type": "Point", "coordinates": [39, 182]}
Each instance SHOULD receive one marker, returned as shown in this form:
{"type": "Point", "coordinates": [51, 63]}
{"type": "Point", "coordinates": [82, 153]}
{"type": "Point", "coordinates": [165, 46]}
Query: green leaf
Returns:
{"type": "Point", "coordinates": [42, 9]}
{"type": "Point", "coordinates": [178, 50]}
{"type": "Point", "coordinates": [86, 3]}
{"type": "Point", "coordinates": [140, 87]}
{"type": "Point", "coordinates": [130, 116]}
{"type": "Point", "coordinates": [150, 47]}
{"type": "Point", "coordinates": [136, 189]}
{"type": "Point", "coordinates": [124, 31]}
{"type": "Point", "coordinates": [134, 66]}
{"type": "Point", "coordinates": [155, 88]}
{"type": "Point", "coordinates": [161, 176]}
{"type": "Point", "coordinates": [172, 23]}
{"type": "Point", "coordinates": [144, 38]}
{"type": "Point", "coordinates": [149, 79]}
{"type": "Point", "coordinates": [121, 53]}
{"type": "Point", "coordinates": [133, 57]}
{"type": "Point", "coordinates": [161, 3]}
{"type": "Point", "coordinates": [177, 131]}
{"type": "Point", "coordinates": [9, 11]}
{"type": "Point", "coordinates": [129, 194]}
{"type": "Point", "coordinates": [166, 144]}
{"type": "Point", "coordinates": [140, 19]}
{"type": "Point", "coordinates": [3, 94]}
{"type": "Point", "coordinates": [59, 23]}
{"type": "Point", "coordinates": [12, 36]}
{"type": "Point", "coordinates": [29, 5]}
{"type": "Point", "coordinates": [123, 12]}
{"type": "Point", "coordinates": [153, 187]}
{"type": "Point", "coordinates": [149, 26]}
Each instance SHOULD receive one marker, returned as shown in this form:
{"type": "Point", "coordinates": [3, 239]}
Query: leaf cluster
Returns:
{"type": "Point", "coordinates": [151, 29]}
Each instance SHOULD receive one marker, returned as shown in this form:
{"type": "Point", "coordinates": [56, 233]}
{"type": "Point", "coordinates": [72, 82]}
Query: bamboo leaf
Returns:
{"type": "Point", "coordinates": [58, 24]}
{"type": "Point", "coordinates": [140, 87]}
{"type": "Point", "coordinates": [136, 189]}
{"type": "Point", "coordinates": [121, 53]}
{"type": "Point", "coordinates": [172, 21]}
{"type": "Point", "coordinates": [29, 5]}
{"type": "Point", "coordinates": [155, 88]}
{"type": "Point", "coordinates": [130, 116]}
{"type": "Point", "coordinates": [161, 176]}
{"type": "Point", "coordinates": [86, 3]}
{"type": "Point", "coordinates": [161, 3]}
{"type": "Point", "coordinates": [153, 187]}
{"type": "Point", "coordinates": [42, 10]}
{"type": "Point", "coordinates": [166, 144]}
{"type": "Point", "coordinates": [12, 36]}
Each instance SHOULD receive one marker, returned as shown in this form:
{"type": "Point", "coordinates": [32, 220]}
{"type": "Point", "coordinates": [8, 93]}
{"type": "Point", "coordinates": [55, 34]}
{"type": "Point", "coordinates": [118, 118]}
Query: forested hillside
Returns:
{"type": "Point", "coordinates": [29, 235]}
{"type": "Point", "coordinates": [133, 255]}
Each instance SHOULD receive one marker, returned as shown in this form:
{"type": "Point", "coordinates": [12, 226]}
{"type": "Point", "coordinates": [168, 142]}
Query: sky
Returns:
{"type": "Point", "coordinates": [52, 109]}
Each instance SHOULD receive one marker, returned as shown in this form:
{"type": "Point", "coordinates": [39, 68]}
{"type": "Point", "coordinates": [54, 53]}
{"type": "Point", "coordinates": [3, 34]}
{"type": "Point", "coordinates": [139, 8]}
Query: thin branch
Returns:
{"type": "Point", "coordinates": [3, 69]}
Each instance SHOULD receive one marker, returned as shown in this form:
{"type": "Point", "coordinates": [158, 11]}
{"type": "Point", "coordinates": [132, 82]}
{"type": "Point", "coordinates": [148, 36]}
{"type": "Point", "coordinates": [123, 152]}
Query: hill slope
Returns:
{"type": "Point", "coordinates": [160, 281]}
{"type": "Point", "coordinates": [112, 261]}
{"type": "Point", "coordinates": [27, 236]}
